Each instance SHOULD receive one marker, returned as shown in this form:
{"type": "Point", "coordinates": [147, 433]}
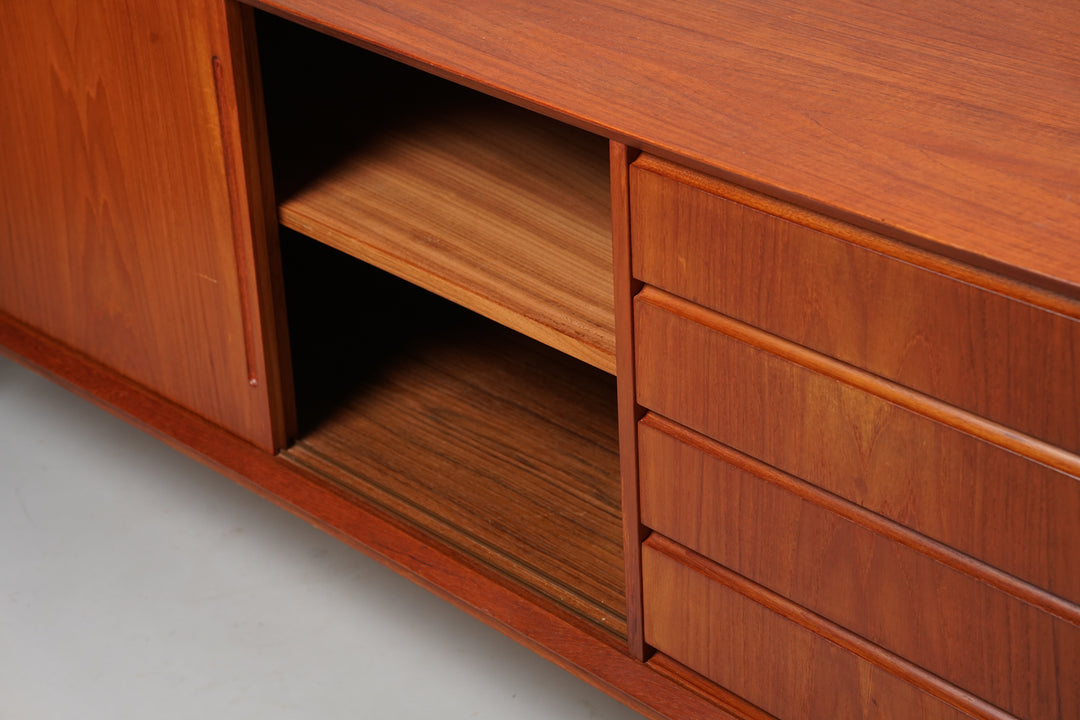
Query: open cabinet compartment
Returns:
{"type": "Point", "coordinates": [500, 446]}
{"type": "Point", "coordinates": [495, 207]}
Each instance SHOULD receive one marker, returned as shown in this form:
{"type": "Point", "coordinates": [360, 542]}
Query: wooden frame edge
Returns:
{"type": "Point", "coordinates": [626, 287]}
{"type": "Point", "coordinates": [246, 149]}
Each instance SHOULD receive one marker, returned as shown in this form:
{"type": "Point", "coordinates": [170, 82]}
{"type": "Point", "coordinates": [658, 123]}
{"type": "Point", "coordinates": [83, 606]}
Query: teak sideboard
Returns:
{"type": "Point", "coordinates": [726, 353]}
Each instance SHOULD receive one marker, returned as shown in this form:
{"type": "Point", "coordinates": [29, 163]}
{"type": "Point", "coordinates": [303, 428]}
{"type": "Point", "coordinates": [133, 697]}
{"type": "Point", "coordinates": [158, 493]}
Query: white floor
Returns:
{"type": "Point", "coordinates": [135, 583]}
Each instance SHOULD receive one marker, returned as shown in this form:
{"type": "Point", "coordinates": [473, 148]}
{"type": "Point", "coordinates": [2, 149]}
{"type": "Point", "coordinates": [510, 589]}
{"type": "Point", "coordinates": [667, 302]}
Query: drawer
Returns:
{"type": "Point", "coordinates": [991, 503]}
{"type": "Point", "coordinates": [778, 664]}
{"type": "Point", "coordinates": [786, 537]}
{"type": "Point", "coordinates": [795, 276]}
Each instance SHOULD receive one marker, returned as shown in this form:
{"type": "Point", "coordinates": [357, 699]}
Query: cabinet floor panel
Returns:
{"type": "Point", "coordinates": [474, 434]}
{"type": "Point", "coordinates": [495, 207]}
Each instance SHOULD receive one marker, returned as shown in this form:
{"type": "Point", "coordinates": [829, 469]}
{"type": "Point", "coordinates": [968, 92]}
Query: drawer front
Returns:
{"type": "Point", "coordinates": [995, 356]}
{"type": "Point", "coordinates": [995, 505]}
{"type": "Point", "coordinates": [763, 656]}
{"type": "Point", "coordinates": [903, 600]}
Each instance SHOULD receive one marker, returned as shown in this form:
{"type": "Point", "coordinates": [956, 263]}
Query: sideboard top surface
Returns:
{"type": "Point", "coordinates": [950, 125]}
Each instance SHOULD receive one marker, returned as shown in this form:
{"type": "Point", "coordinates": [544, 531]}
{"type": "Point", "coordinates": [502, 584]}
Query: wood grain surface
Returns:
{"type": "Point", "coordinates": [998, 506]}
{"type": "Point", "coordinates": [629, 411]}
{"type": "Point", "coordinates": [499, 209]}
{"type": "Point", "coordinates": [696, 683]}
{"type": "Point", "coordinates": [1001, 358]}
{"type": "Point", "coordinates": [501, 447]}
{"type": "Point", "coordinates": [254, 207]}
{"type": "Point", "coordinates": [946, 124]}
{"type": "Point", "coordinates": [766, 528]}
{"type": "Point", "coordinates": [526, 617]}
{"type": "Point", "coordinates": [699, 614]}
{"type": "Point", "coordinates": [116, 229]}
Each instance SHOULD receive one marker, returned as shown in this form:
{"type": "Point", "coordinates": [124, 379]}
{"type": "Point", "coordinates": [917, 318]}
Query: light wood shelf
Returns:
{"type": "Point", "coordinates": [473, 434]}
{"type": "Point", "coordinates": [497, 208]}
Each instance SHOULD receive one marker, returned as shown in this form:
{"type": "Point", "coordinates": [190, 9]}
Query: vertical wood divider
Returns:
{"type": "Point", "coordinates": [243, 115]}
{"type": "Point", "coordinates": [238, 224]}
{"type": "Point", "coordinates": [629, 412]}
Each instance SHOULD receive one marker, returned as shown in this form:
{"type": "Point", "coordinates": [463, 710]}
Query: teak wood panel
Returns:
{"type": "Point", "coordinates": [497, 445]}
{"type": "Point", "coordinates": [1001, 358]}
{"type": "Point", "coordinates": [255, 218]}
{"type": "Point", "coordinates": [942, 619]}
{"type": "Point", "coordinates": [780, 666]}
{"type": "Point", "coordinates": [497, 208]}
{"type": "Point", "coordinates": [116, 231]}
{"type": "Point", "coordinates": [1000, 507]}
{"type": "Point", "coordinates": [943, 123]}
